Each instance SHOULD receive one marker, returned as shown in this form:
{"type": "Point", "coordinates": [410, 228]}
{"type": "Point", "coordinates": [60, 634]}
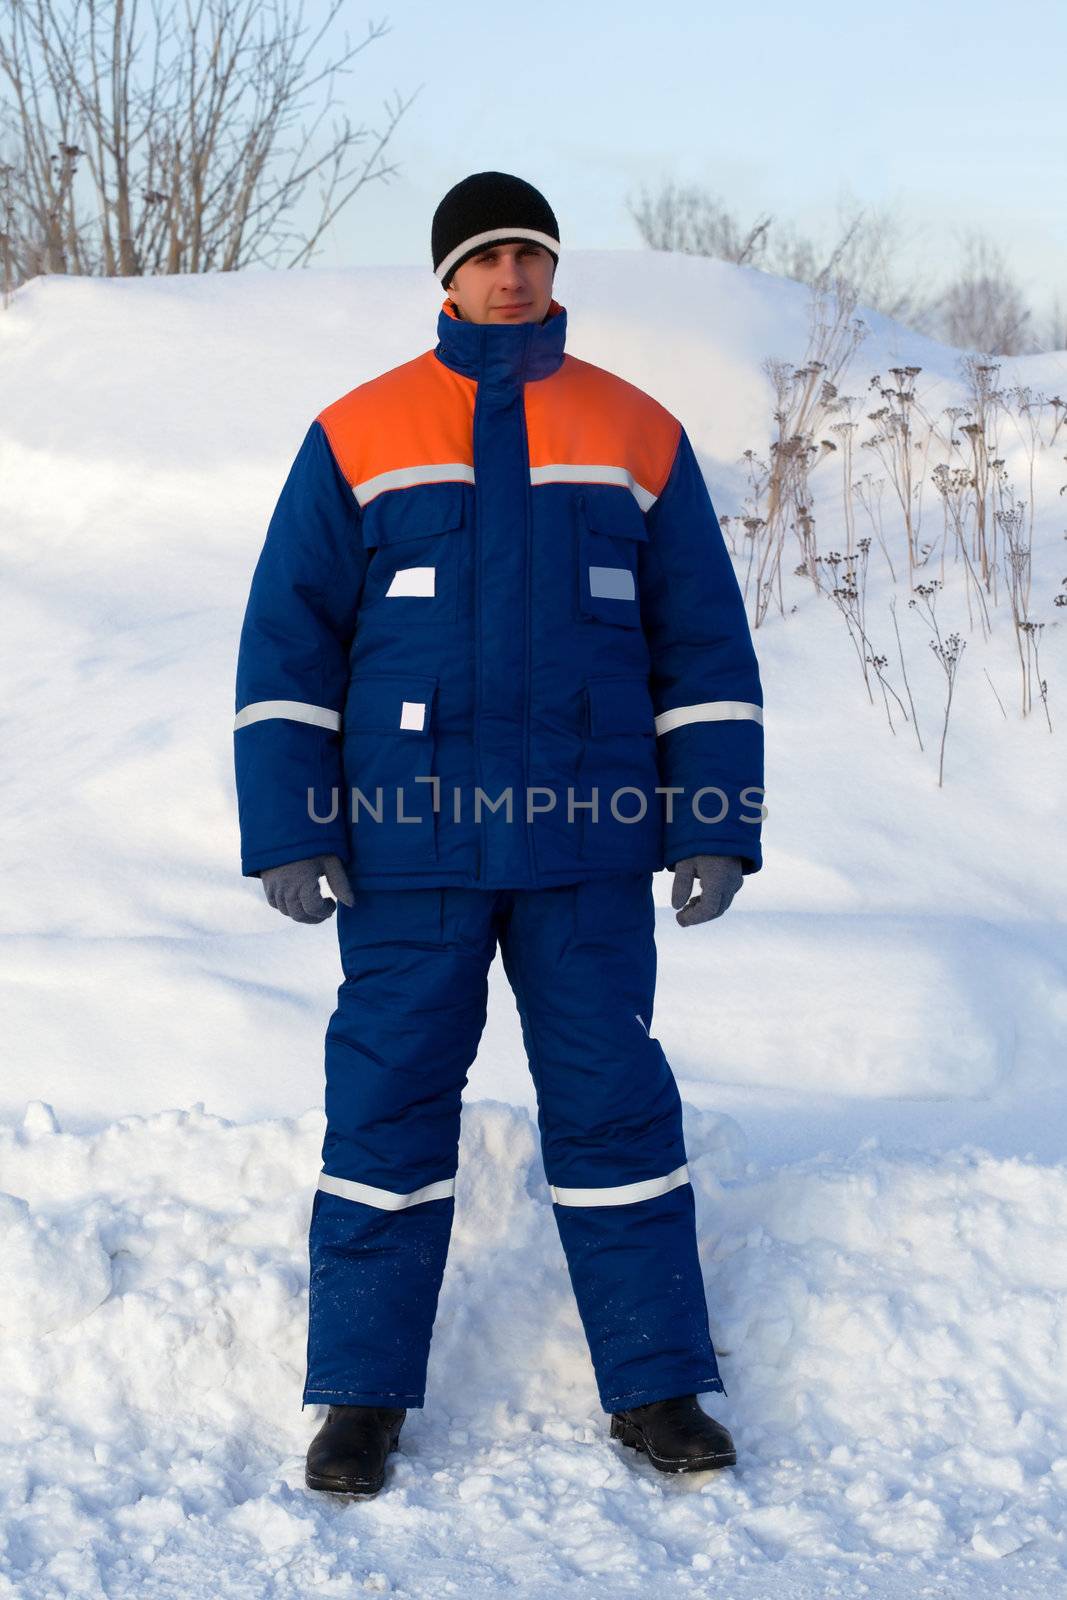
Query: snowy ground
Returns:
{"type": "Point", "coordinates": [870, 1044]}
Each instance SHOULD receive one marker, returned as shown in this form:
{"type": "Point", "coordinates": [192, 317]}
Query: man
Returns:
{"type": "Point", "coordinates": [495, 671]}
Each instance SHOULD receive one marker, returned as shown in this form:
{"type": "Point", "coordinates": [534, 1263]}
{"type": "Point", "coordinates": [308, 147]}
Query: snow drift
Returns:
{"type": "Point", "coordinates": [869, 1044]}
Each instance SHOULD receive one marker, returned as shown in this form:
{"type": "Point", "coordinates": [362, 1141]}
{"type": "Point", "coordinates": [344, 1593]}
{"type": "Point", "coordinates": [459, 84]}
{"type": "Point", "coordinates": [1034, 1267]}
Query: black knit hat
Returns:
{"type": "Point", "coordinates": [489, 208]}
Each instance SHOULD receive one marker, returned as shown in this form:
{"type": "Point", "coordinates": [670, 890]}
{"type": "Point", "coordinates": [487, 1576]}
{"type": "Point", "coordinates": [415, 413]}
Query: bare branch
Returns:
{"type": "Point", "coordinates": [142, 144]}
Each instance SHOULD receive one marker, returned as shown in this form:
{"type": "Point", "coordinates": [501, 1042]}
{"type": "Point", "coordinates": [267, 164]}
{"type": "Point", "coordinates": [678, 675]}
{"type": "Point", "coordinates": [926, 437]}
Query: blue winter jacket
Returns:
{"type": "Point", "coordinates": [494, 636]}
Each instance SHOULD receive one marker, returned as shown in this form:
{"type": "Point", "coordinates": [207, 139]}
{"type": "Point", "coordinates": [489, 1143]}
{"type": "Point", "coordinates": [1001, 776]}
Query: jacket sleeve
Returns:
{"type": "Point", "coordinates": [704, 678]}
{"type": "Point", "coordinates": [293, 667]}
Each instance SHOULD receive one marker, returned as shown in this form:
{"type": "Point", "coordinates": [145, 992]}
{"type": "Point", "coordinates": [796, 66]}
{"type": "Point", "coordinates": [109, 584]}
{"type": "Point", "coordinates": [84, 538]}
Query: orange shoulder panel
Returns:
{"type": "Point", "coordinates": [418, 414]}
{"type": "Point", "coordinates": [586, 416]}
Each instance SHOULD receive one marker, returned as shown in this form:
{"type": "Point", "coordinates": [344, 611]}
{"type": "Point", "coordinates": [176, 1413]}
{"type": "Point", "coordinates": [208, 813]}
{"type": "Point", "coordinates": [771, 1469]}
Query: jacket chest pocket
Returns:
{"type": "Point", "coordinates": [611, 531]}
{"type": "Point", "coordinates": [416, 539]}
{"type": "Point", "coordinates": [389, 747]}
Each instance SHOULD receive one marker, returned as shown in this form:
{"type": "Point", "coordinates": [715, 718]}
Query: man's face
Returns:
{"type": "Point", "coordinates": [504, 283]}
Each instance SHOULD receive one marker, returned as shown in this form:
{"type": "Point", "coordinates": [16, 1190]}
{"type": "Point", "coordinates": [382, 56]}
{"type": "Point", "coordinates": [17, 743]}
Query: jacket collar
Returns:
{"type": "Point", "coordinates": [501, 353]}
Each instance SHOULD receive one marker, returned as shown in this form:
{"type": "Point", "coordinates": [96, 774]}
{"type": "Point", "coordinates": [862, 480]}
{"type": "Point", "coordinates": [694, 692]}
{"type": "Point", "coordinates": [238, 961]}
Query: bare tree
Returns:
{"type": "Point", "coordinates": [983, 308]}
{"type": "Point", "coordinates": [1056, 326]}
{"type": "Point", "coordinates": [688, 219]}
{"type": "Point", "coordinates": [863, 256]}
{"type": "Point", "coordinates": [188, 166]}
{"type": "Point", "coordinates": [692, 220]}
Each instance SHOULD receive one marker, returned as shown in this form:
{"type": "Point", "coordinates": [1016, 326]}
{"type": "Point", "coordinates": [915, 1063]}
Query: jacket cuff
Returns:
{"type": "Point", "coordinates": [325, 845]}
{"type": "Point", "coordinates": [748, 852]}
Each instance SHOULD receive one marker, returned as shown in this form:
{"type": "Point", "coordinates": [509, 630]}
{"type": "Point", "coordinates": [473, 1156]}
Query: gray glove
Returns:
{"type": "Point", "coordinates": [720, 878]}
{"type": "Point", "coordinates": [294, 888]}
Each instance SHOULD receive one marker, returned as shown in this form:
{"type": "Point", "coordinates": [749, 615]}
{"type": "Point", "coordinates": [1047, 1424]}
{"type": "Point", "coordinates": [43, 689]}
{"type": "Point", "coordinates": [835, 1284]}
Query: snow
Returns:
{"type": "Point", "coordinates": [869, 1044]}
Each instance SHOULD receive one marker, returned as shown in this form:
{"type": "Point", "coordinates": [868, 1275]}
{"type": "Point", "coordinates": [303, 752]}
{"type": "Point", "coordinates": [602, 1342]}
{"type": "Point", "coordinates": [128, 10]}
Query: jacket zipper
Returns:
{"type": "Point", "coordinates": [527, 496]}
{"type": "Point", "coordinates": [477, 557]}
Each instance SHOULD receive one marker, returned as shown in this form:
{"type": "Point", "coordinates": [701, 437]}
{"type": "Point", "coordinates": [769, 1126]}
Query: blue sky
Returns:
{"type": "Point", "coordinates": [950, 114]}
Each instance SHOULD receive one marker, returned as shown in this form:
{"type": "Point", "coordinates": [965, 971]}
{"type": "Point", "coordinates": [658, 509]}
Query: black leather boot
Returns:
{"type": "Point", "coordinates": [347, 1455]}
{"type": "Point", "coordinates": [676, 1435]}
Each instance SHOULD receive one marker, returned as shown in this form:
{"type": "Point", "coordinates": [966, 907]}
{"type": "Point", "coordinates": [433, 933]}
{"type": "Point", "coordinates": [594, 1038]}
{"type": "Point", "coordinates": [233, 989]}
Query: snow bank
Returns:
{"type": "Point", "coordinates": [869, 1045]}
{"type": "Point", "coordinates": [146, 428]}
{"type": "Point", "coordinates": [892, 1330]}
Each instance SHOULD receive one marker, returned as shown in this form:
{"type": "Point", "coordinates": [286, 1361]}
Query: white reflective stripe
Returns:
{"type": "Point", "coordinates": [708, 711]}
{"type": "Point", "coordinates": [491, 236]}
{"type": "Point", "coordinates": [412, 581]}
{"type": "Point", "coordinates": [385, 1199]}
{"type": "Point", "coordinates": [292, 710]}
{"type": "Point", "coordinates": [611, 583]}
{"type": "Point", "coordinates": [413, 714]}
{"type": "Point", "coordinates": [622, 1194]}
{"type": "Point", "coordinates": [566, 472]}
{"type": "Point", "coordinates": [408, 477]}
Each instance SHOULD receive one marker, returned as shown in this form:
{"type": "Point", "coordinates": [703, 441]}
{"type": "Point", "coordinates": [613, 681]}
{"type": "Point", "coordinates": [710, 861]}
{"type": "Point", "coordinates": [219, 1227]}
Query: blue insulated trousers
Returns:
{"type": "Point", "coordinates": [581, 960]}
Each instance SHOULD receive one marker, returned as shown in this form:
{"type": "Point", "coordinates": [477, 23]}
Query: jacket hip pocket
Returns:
{"type": "Point", "coordinates": [392, 787]}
